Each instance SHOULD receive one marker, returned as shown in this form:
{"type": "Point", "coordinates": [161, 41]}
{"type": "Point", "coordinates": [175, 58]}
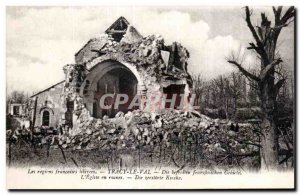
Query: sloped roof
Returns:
{"type": "Point", "coordinates": [119, 26]}
{"type": "Point", "coordinates": [47, 89]}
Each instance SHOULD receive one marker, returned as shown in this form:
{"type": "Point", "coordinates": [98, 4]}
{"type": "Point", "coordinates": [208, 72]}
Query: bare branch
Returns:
{"type": "Point", "coordinates": [248, 20]}
{"type": "Point", "coordinates": [277, 14]}
{"type": "Point", "coordinates": [284, 21]}
{"type": "Point", "coordinates": [244, 71]}
{"type": "Point", "coordinates": [278, 27]}
{"type": "Point", "coordinates": [278, 85]}
{"type": "Point", "coordinates": [259, 43]}
{"type": "Point", "coordinates": [278, 11]}
{"type": "Point", "coordinates": [288, 15]}
{"type": "Point", "coordinates": [259, 51]}
{"type": "Point", "coordinates": [253, 46]}
{"type": "Point", "coordinates": [269, 67]}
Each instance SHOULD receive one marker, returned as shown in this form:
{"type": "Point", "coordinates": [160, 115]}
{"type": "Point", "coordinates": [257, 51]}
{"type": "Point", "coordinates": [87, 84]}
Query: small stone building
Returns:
{"type": "Point", "coordinates": [16, 109]}
{"type": "Point", "coordinates": [119, 61]}
{"type": "Point", "coordinates": [45, 106]}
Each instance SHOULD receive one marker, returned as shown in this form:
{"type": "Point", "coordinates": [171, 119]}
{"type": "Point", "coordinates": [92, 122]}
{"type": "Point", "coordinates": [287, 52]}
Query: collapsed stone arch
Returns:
{"type": "Point", "coordinates": [110, 76]}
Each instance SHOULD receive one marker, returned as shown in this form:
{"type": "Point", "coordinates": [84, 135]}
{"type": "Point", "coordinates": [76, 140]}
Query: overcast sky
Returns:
{"type": "Point", "coordinates": [40, 41]}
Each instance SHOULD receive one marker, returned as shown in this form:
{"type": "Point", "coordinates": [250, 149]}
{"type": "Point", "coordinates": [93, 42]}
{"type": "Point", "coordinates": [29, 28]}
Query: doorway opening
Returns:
{"type": "Point", "coordinates": [115, 81]}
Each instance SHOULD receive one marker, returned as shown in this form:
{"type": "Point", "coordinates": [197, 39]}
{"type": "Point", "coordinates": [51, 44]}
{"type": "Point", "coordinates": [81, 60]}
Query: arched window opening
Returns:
{"type": "Point", "coordinates": [46, 118]}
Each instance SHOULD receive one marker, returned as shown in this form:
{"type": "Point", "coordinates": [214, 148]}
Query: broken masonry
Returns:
{"type": "Point", "coordinates": [119, 61]}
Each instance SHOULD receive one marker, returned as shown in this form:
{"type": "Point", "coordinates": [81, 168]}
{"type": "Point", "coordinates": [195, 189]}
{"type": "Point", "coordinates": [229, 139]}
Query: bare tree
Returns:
{"type": "Point", "coordinates": [198, 88]}
{"type": "Point", "coordinates": [221, 94]}
{"type": "Point", "coordinates": [17, 97]}
{"type": "Point", "coordinates": [235, 89]}
{"type": "Point", "coordinates": [264, 45]}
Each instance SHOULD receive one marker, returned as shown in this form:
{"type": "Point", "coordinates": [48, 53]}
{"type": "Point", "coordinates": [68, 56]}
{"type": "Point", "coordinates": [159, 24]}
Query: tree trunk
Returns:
{"type": "Point", "coordinates": [34, 114]}
{"type": "Point", "coordinates": [226, 108]}
{"type": "Point", "coordinates": [269, 150]}
{"type": "Point", "coordinates": [268, 93]}
{"type": "Point", "coordinates": [235, 105]}
{"type": "Point", "coordinates": [269, 138]}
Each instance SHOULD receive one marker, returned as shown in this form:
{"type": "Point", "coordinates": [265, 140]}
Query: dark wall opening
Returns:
{"type": "Point", "coordinates": [174, 89]}
{"type": "Point", "coordinates": [69, 113]}
{"type": "Point", "coordinates": [16, 110]}
{"type": "Point", "coordinates": [46, 118]}
{"type": "Point", "coordinates": [116, 81]}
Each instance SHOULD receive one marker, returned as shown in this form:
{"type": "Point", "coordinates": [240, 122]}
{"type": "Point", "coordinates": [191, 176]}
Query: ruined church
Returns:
{"type": "Point", "coordinates": [120, 60]}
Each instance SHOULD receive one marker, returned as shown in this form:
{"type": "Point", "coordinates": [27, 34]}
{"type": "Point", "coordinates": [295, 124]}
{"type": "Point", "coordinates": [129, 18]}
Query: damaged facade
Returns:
{"type": "Point", "coordinates": [119, 61]}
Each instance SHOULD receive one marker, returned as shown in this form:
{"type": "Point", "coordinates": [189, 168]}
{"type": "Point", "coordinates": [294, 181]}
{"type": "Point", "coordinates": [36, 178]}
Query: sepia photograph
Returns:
{"type": "Point", "coordinates": [157, 97]}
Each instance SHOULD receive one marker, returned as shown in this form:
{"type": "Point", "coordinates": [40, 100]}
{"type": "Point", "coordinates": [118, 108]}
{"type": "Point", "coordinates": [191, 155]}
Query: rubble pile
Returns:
{"type": "Point", "coordinates": [167, 129]}
{"type": "Point", "coordinates": [157, 64]}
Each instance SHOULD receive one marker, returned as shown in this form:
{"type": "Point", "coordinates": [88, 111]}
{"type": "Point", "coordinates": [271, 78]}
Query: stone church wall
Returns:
{"type": "Point", "coordinates": [49, 100]}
